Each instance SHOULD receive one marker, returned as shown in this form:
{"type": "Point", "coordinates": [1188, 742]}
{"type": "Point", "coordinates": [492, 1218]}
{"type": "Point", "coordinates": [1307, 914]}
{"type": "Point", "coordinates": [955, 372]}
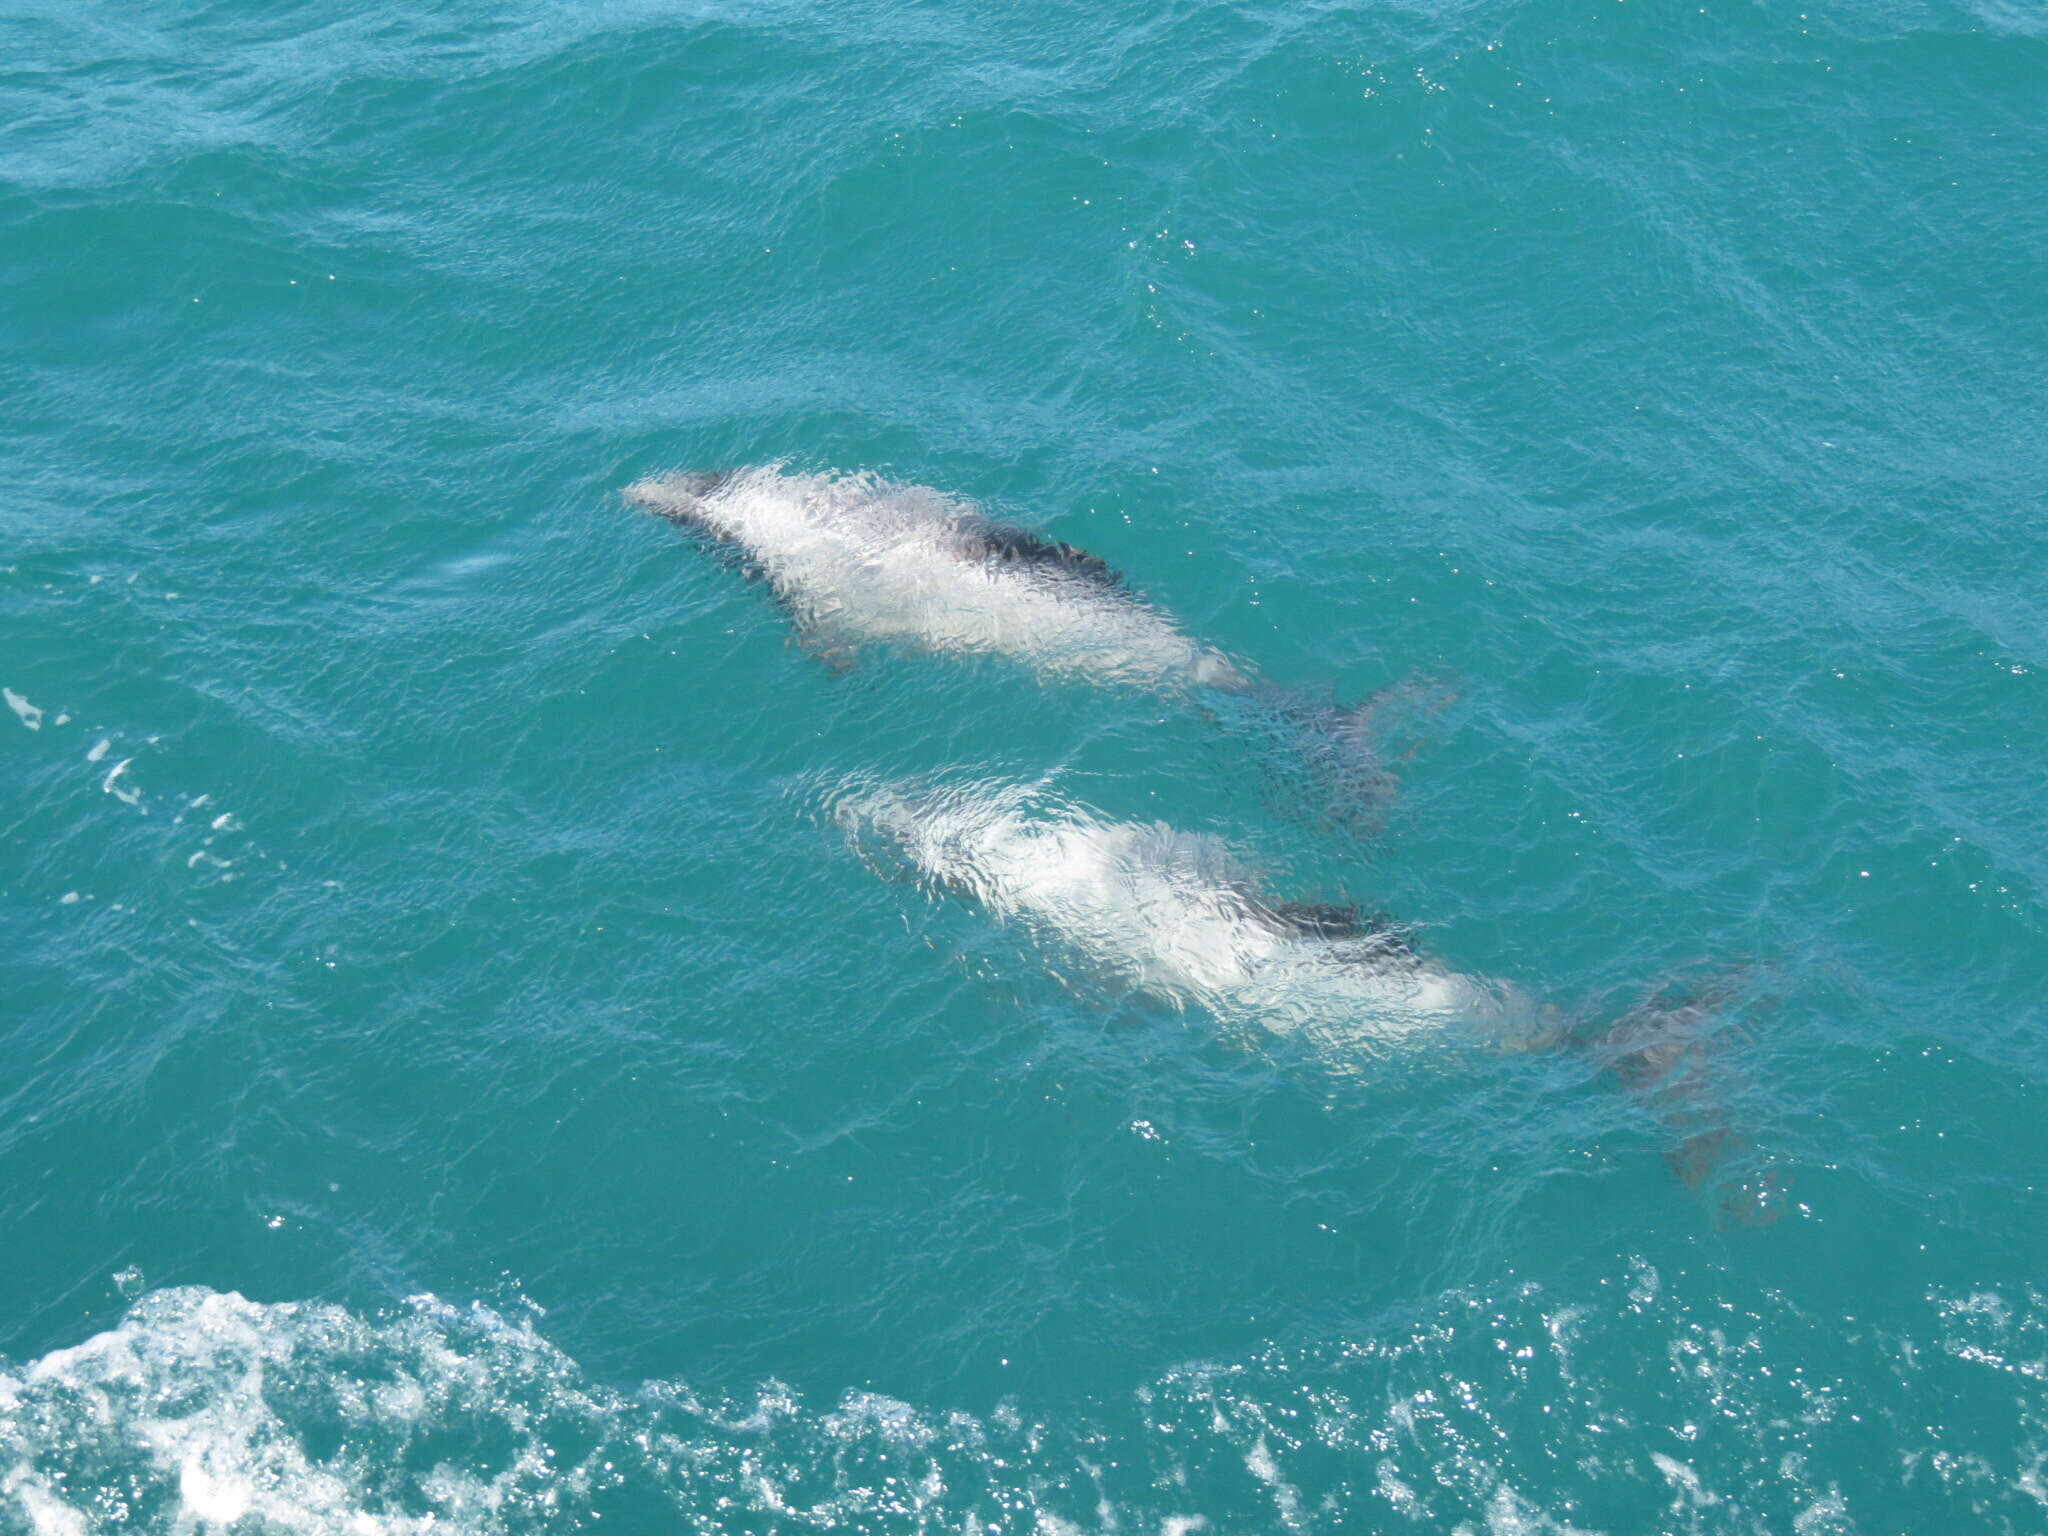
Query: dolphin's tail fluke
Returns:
{"type": "Point", "coordinates": [1337, 761]}
{"type": "Point", "coordinates": [1671, 1051]}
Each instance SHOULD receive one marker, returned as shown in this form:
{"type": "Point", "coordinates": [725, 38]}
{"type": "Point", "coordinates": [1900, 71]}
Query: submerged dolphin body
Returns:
{"type": "Point", "coordinates": [1173, 914]}
{"type": "Point", "coordinates": [857, 559]}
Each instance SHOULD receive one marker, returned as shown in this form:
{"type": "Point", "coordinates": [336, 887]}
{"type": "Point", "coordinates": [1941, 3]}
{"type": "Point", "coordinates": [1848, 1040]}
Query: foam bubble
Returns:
{"type": "Point", "coordinates": [112, 785]}
{"type": "Point", "coordinates": [207, 1408]}
{"type": "Point", "coordinates": [46, 1513]}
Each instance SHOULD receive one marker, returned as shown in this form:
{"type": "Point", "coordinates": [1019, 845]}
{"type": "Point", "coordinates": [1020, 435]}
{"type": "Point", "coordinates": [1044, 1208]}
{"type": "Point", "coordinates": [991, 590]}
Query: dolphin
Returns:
{"type": "Point", "coordinates": [1178, 916]}
{"type": "Point", "coordinates": [856, 559]}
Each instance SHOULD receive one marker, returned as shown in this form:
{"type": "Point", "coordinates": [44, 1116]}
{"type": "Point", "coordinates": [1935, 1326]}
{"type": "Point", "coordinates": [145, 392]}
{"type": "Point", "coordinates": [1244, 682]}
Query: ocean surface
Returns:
{"type": "Point", "coordinates": [458, 1072]}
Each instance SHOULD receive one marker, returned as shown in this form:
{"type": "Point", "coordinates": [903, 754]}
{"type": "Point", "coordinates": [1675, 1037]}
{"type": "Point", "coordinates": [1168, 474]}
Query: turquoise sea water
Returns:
{"type": "Point", "coordinates": [458, 1075]}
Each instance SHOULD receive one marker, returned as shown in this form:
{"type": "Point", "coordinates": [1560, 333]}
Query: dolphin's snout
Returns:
{"type": "Point", "coordinates": [677, 497]}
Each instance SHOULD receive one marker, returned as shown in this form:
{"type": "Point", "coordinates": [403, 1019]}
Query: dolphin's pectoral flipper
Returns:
{"type": "Point", "coordinates": [837, 656]}
{"type": "Point", "coordinates": [824, 641]}
{"type": "Point", "coordinates": [1004, 544]}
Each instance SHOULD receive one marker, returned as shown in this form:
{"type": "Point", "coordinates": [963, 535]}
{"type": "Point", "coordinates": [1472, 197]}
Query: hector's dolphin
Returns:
{"type": "Point", "coordinates": [856, 559]}
{"type": "Point", "coordinates": [1173, 914]}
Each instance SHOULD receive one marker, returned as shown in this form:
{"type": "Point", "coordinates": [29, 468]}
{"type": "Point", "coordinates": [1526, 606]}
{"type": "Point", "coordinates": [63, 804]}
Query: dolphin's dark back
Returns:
{"type": "Point", "coordinates": [1006, 544]}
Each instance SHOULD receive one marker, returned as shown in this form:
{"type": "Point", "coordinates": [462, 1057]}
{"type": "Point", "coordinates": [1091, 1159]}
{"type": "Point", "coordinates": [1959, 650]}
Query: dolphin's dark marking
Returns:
{"type": "Point", "coordinates": [1319, 919]}
{"type": "Point", "coordinates": [1372, 938]}
{"type": "Point", "coordinates": [1007, 544]}
{"type": "Point", "coordinates": [1324, 920]}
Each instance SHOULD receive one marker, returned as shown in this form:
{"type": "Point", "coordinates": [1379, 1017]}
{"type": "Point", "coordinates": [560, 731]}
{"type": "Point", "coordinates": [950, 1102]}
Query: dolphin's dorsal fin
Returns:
{"type": "Point", "coordinates": [1320, 919]}
{"type": "Point", "coordinates": [1332, 920]}
{"type": "Point", "coordinates": [1006, 544]}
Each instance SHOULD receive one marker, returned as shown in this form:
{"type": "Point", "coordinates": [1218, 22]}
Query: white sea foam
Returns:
{"type": "Point", "coordinates": [24, 711]}
{"type": "Point", "coordinates": [1286, 1498]}
{"type": "Point", "coordinates": [204, 1399]}
{"type": "Point", "coordinates": [204, 1412]}
{"type": "Point", "coordinates": [1685, 1482]}
{"type": "Point", "coordinates": [40, 1505]}
{"type": "Point", "coordinates": [127, 793]}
